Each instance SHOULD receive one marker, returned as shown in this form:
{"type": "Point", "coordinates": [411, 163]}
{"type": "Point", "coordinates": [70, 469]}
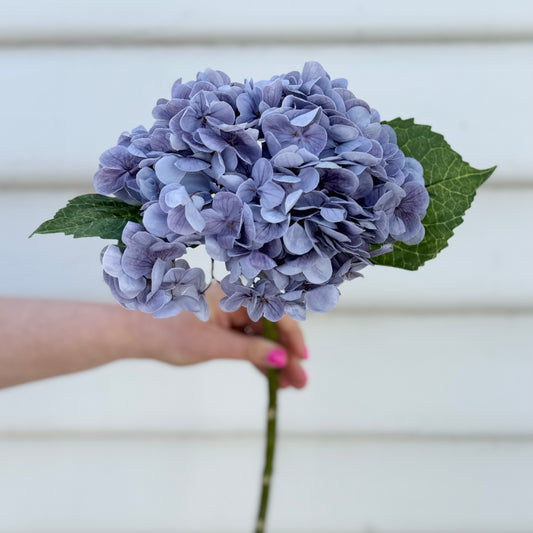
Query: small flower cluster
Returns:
{"type": "Point", "coordinates": [293, 182]}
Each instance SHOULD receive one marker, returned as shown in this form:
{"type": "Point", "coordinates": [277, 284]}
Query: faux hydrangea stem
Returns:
{"type": "Point", "coordinates": [270, 332]}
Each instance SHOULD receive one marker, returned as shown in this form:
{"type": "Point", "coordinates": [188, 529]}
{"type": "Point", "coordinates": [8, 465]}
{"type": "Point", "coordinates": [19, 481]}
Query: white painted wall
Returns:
{"type": "Point", "coordinates": [419, 412]}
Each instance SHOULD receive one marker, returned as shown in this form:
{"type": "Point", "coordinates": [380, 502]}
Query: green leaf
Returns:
{"type": "Point", "coordinates": [92, 215]}
{"type": "Point", "coordinates": [451, 184]}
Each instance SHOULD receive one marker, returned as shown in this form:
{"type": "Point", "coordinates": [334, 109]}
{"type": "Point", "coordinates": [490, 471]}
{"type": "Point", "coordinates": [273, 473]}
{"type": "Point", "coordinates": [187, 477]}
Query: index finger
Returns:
{"type": "Point", "coordinates": [291, 336]}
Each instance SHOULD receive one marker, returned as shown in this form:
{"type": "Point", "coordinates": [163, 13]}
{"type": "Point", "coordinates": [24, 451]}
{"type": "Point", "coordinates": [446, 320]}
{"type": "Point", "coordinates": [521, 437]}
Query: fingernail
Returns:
{"type": "Point", "coordinates": [277, 358]}
{"type": "Point", "coordinates": [306, 353]}
{"type": "Point", "coordinates": [304, 374]}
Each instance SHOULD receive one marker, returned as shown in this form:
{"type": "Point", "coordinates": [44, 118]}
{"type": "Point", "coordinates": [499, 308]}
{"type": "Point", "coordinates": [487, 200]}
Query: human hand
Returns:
{"type": "Point", "coordinates": [185, 340]}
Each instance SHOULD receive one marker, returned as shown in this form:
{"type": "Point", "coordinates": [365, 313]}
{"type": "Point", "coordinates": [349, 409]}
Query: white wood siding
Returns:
{"type": "Point", "coordinates": [418, 416]}
{"type": "Point", "coordinates": [243, 21]}
{"type": "Point", "coordinates": [71, 103]}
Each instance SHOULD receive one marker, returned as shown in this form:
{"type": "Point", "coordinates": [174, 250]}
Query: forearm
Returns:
{"type": "Point", "coordinates": [40, 339]}
{"type": "Point", "coordinates": [46, 338]}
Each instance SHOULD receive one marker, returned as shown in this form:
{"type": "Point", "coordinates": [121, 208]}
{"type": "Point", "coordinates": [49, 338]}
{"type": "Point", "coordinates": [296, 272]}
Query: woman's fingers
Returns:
{"type": "Point", "coordinates": [216, 342]}
{"type": "Point", "coordinates": [235, 336]}
{"type": "Point", "coordinates": [291, 336]}
{"type": "Point", "coordinates": [292, 375]}
{"type": "Point", "coordinates": [286, 355]}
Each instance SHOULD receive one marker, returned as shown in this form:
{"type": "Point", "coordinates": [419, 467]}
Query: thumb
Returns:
{"type": "Point", "coordinates": [264, 353]}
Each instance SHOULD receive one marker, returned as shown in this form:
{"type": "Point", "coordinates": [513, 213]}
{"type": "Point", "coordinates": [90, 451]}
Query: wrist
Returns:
{"type": "Point", "coordinates": [133, 335]}
{"type": "Point", "coordinates": [146, 337]}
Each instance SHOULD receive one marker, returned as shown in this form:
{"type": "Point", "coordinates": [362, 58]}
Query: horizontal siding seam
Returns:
{"type": "Point", "coordinates": [440, 309]}
{"type": "Point", "coordinates": [82, 184]}
{"type": "Point", "coordinates": [519, 438]}
{"type": "Point", "coordinates": [375, 38]}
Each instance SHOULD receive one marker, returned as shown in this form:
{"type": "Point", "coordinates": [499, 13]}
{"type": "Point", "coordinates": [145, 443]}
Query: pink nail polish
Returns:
{"type": "Point", "coordinates": [277, 358]}
{"type": "Point", "coordinates": [306, 353]}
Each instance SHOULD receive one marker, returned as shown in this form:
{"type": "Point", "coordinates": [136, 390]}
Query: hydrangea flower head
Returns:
{"type": "Point", "coordinates": [293, 182]}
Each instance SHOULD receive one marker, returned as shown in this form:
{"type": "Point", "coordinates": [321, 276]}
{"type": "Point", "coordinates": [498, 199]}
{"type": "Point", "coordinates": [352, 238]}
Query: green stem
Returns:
{"type": "Point", "coordinates": [270, 332]}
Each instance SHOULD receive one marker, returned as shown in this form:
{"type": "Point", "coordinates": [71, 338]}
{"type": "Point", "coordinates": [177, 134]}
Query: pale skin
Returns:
{"type": "Point", "coordinates": [46, 338]}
